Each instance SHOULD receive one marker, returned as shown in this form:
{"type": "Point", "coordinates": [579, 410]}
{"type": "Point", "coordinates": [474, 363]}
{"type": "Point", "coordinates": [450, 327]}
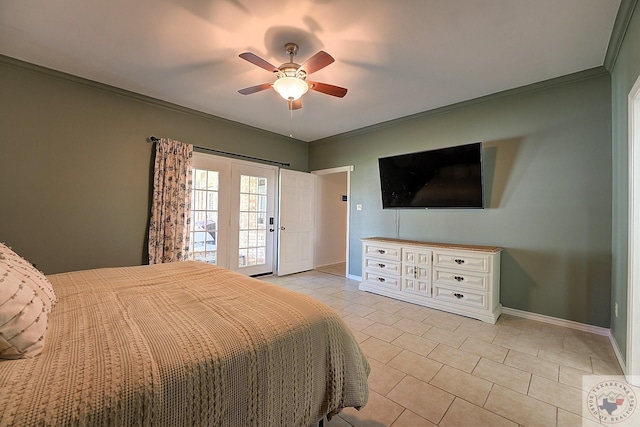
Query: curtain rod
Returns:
{"type": "Point", "coordinates": [156, 139]}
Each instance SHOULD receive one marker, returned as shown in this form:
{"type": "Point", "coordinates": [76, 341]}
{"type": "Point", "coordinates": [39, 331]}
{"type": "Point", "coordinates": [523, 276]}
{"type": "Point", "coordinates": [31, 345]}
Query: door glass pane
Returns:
{"type": "Point", "coordinates": [212, 201]}
{"type": "Point", "coordinates": [242, 258]}
{"type": "Point", "coordinates": [244, 202]}
{"type": "Point", "coordinates": [244, 220]}
{"type": "Point", "coordinates": [204, 216]}
{"type": "Point", "coordinates": [261, 257]}
{"type": "Point", "coordinates": [244, 184]}
{"type": "Point", "coordinates": [253, 214]}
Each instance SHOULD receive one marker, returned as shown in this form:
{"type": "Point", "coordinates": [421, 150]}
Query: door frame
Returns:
{"type": "Point", "coordinates": [633, 266]}
{"type": "Point", "coordinates": [348, 170]}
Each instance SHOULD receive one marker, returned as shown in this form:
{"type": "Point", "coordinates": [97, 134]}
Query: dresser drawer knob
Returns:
{"type": "Point", "coordinates": [458, 278]}
{"type": "Point", "coordinates": [382, 251]}
{"type": "Point", "coordinates": [457, 295]}
{"type": "Point", "coordinates": [458, 261]}
{"type": "Point", "coordinates": [381, 265]}
{"type": "Point", "coordinates": [381, 279]}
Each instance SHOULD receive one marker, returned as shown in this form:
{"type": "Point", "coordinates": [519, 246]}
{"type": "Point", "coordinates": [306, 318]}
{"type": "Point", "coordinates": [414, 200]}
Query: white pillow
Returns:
{"type": "Point", "coordinates": [23, 318]}
{"type": "Point", "coordinates": [27, 273]}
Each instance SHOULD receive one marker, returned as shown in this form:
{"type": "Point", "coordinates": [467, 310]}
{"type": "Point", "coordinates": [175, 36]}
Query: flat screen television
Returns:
{"type": "Point", "coordinates": [443, 178]}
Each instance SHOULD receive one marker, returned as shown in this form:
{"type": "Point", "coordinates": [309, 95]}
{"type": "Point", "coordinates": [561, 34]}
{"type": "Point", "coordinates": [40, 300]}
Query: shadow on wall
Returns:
{"type": "Point", "coordinates": [571, 286]}
{"type": "Point", "coordinates": [498, 159]}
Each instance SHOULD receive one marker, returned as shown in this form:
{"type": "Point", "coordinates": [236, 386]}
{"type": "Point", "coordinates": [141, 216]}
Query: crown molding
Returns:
{"type": "Point", "coordinates": [620, 27]}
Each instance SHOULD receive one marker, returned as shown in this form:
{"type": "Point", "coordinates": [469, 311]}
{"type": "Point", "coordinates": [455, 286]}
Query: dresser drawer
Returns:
{"type": "Point", "coordinates": [467, 261]}
{"type": "Point", "coordinates": [383, 266]}
{"type": "Point", "coordinates": [460, 297]}
{"type": "Point", "coordinates": [461, 279]}
{"type": "Point", "coordinates": [391, 253]}
{"type": "Point", "coordinates": [382, 281]}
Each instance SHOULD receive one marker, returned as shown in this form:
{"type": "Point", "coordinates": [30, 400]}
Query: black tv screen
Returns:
{"type": "Point", "coordinates": [442, 178]}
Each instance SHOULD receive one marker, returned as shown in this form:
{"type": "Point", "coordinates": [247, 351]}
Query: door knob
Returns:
{"type": "Point", "coordinates": [282, 227]}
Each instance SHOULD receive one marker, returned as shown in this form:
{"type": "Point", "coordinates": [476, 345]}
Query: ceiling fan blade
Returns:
{"type": "Point", "coordinates": [256, 60]}
{"type": "Point", "coordinates": [295, 105]}
{"type": "Point", "coordinates": [332, 90]}
{"type": "Point", "coordinates": [317, 62]}
{"type": "Point", "coordinates": [254, 89]}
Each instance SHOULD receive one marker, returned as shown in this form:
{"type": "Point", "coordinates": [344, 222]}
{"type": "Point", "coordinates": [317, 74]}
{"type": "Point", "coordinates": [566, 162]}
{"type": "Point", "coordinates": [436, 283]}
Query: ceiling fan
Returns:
{"type": "Point", "coordinates": [291, 78]}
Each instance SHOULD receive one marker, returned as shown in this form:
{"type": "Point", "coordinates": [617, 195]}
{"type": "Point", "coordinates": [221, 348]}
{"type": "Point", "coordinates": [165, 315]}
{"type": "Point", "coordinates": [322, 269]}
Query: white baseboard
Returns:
{"type": "Point", "coordinates": [327, 264]}
{"type": "Point", "coordinates": [557, 321]}
{"type": "Point", "coordinates": [573, 325]}
{"type": "Point", "coordinates": [618, 353]}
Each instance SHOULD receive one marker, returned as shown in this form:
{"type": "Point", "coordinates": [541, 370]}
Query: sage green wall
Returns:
{"type": "Point", "coordinates": [76, 172]}
{"type": "Point", "coordinates": [623, 76]}
{"type": "Point", "coordinates": [547, 166]}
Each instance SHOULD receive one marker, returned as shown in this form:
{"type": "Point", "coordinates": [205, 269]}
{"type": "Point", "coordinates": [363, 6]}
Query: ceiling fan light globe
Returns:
{"type": "Point", "coordinates": [290, 88]}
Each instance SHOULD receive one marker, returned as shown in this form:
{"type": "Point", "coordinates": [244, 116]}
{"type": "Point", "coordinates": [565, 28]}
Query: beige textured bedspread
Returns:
{"type": "Point", "coordinates": [183, 344]}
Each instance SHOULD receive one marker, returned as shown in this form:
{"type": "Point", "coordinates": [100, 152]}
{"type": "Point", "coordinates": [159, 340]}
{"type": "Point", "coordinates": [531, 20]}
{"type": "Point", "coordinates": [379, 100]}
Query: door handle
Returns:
{"type": "Point", "coordinates": [282, 227]}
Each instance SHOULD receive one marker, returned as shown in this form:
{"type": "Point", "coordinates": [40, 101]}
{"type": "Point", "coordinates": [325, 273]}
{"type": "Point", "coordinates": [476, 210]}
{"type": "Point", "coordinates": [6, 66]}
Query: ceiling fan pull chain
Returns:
{"type": "Point", "coordinates": [290, 119]}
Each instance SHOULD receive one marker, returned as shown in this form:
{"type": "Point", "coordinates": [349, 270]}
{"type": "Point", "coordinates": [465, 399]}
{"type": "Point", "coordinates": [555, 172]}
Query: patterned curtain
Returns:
{"type": "Point", "coordinates": [171, 204]}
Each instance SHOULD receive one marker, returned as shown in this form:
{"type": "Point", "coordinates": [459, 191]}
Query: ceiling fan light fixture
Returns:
{"type": "Point", "coordinates": [290, 88]}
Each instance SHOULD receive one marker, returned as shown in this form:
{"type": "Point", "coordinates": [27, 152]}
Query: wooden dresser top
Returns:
{"type": "Point", "coordinates": [491, 249]}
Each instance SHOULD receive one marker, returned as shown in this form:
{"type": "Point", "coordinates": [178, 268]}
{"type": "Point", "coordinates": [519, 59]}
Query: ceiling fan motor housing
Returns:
{"type": "Point", "coordinates": [291, 69]}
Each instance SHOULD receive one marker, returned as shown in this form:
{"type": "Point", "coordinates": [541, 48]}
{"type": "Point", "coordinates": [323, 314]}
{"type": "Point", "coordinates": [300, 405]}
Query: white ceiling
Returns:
{"type": "Point", "coordinates": [397, 58]}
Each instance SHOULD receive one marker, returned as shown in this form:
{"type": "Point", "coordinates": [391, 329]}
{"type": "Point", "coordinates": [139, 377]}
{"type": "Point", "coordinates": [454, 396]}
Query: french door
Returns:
{"type": "Point", "coordinates": [233, 214]}
{"type": "Point", "coordinates": [253, 212]}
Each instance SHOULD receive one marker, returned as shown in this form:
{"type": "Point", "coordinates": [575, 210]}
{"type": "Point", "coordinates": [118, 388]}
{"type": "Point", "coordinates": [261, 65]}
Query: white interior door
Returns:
{"type": "Point", "coordinates": [296, 232]}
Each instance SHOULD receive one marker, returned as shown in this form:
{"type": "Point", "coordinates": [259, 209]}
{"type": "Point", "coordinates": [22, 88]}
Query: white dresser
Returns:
{"type": "Point", "coordinates": [461, 279]}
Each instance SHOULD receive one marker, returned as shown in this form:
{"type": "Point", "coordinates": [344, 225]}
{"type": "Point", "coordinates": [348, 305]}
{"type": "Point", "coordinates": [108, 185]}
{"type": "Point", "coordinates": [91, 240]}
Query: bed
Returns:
{"type": "Point", "coordinates": [179, 344]}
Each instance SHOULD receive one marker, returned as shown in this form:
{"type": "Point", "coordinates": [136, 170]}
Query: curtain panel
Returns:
{"type": "Point", "coordinates": [171, 204]}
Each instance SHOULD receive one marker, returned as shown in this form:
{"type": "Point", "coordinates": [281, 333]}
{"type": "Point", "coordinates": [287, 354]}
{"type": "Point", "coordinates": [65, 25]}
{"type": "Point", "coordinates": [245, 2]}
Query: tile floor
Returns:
{"type": "Point", "coordinates": [338, 269]}
{"type": "Point", "coordinates": [431, 368]}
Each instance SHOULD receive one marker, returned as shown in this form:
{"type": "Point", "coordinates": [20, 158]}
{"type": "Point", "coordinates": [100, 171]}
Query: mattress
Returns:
{"type": "Point", "coordinates": [183, 343]}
